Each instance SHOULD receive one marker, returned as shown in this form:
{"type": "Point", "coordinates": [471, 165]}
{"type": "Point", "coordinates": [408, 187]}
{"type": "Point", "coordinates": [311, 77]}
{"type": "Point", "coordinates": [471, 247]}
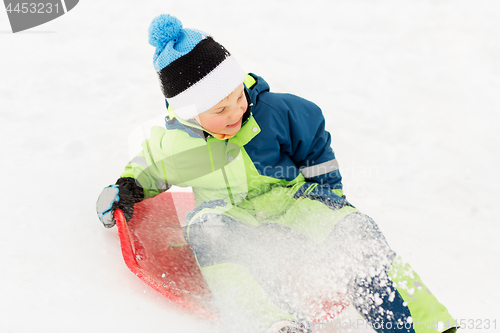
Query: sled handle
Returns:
{"type": "Point", "coordinates": [125, 242]}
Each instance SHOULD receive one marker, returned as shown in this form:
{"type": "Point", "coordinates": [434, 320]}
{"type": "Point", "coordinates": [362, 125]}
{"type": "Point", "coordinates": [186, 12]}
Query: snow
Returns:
{"type": "Point", "coordinates": [410, 90]}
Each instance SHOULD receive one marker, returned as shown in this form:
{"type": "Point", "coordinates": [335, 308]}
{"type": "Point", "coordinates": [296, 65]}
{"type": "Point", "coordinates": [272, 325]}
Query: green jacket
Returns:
{"type": "Point", "coordinates": [282, 142]}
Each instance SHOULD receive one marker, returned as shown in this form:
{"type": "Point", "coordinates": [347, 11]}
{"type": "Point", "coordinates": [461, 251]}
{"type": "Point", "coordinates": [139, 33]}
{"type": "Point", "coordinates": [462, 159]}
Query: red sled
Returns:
{"type": "Point", "coordinates": [154, 249]}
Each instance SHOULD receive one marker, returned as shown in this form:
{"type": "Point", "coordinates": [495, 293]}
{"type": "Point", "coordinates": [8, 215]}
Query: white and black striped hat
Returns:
{"type": "Point", "coordinates": [195, 71]}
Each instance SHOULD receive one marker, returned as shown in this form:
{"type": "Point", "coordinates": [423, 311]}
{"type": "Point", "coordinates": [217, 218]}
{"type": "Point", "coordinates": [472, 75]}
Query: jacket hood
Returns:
{"type": "Point", "coordinates": [255, 85]}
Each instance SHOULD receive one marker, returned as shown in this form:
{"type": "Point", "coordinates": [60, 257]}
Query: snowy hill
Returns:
{"type": "Point", "coordinates": [410, 90]}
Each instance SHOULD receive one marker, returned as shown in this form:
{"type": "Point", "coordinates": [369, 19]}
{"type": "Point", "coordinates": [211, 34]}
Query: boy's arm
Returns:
{"type": "Point", "coordinates": [310, 144]}
{"type": "Point", "coordinates": [144, 177]}
{"type": "Point", "coordinates": [148, 167]}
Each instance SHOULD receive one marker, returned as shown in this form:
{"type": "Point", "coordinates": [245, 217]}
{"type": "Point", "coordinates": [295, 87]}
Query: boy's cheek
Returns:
{"type": "Point", "coordinates": [216, 125]}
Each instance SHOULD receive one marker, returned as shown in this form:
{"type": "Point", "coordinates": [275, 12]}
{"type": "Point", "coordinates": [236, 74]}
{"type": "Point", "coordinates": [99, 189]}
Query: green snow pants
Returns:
{"type": "Point", "coordinates": [269, 258]}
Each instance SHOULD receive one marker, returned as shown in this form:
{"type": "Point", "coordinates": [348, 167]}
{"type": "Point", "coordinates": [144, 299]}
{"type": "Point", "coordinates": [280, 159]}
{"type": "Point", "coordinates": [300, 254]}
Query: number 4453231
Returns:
{"type": "Point", "coordinates": [33, 8]}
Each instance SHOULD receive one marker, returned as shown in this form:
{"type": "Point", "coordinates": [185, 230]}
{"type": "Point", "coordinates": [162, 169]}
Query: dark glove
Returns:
{"type": "Point", "coordinates": [124, 194]}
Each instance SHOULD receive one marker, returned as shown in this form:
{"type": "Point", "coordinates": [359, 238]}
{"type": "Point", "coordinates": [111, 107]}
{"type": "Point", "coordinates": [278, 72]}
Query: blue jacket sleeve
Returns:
{"type": "Point", "coordinates": [308, 143]}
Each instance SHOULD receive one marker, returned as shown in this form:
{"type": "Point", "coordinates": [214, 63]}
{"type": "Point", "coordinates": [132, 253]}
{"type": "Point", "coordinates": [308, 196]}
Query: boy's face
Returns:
{"type": "Point", "coordinates": [226, 116]}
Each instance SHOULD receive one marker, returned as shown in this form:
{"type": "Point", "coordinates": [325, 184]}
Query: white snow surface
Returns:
{"type": "Point", "coordinates": [410, 90]}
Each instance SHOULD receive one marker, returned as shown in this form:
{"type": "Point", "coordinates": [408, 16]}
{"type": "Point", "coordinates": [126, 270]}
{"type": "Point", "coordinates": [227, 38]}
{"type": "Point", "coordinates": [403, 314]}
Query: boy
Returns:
{"type": "Point", "coordinates": [271, 225]}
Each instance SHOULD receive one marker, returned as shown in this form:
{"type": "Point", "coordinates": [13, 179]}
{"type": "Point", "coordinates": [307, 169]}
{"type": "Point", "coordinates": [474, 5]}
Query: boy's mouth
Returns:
{"type": "Point", "coordinates": [235, 124]}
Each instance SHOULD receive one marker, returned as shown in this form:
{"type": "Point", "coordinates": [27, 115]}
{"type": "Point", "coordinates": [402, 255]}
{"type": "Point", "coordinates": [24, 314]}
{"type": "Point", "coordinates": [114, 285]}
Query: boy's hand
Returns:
{"type": "Point", "coordinates": [124, 194]}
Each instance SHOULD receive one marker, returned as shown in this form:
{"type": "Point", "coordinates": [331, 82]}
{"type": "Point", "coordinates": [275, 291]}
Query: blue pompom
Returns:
{"type": "Point", "coordinates": [163, 29]}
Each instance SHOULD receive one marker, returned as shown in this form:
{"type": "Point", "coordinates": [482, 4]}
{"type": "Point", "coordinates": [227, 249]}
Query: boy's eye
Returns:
{"type": "Point", "coordinates": [222, 110]}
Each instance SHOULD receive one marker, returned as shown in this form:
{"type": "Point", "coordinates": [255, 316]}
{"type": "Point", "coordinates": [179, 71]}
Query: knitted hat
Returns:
{"type": "Point", "coordinates": [195, 71]}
